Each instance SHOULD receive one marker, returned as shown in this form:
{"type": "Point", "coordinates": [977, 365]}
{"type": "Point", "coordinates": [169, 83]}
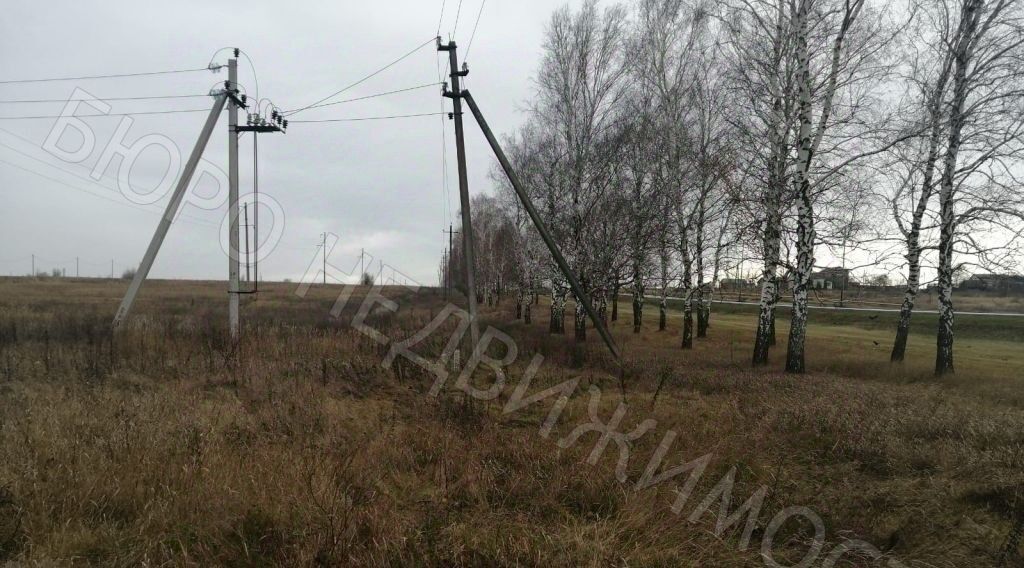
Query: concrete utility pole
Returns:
{"type": "Point", "coordinates": [233, 288]}
{"type": "Point", "coordinates": [362, 262]}
{"type": "Point", "coordinates": [169, 212]}
{"type": "Point", "coordinates": [577, 290]}
{"type": "Point", "coordinates": [76, 267]}
{"type": "Point", "coordinates": [34, 267]}
{"type": "Point", "coordinates": [255, 124]}
{"type": "Point", "coordinates": [468, 255]}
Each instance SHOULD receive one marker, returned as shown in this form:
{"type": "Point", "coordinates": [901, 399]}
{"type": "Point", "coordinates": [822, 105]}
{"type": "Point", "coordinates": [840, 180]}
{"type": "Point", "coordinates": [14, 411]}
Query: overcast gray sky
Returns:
{"type": "Point", "coordinates": [376, 184]}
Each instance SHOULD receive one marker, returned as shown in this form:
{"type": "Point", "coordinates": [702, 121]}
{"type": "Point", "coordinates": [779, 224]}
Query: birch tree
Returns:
{"type": "Point", "coordinates": [636, 182]}
{"type": "Point", "coordinates": [915, 165]}
{"type": "Point", "coordinates": [810, 134]}
{"type": "Point", "coordinates": [581, 85]}
{"type": "Point", "coordinates": [984, 128]}
{"type": "Point", "coordinates": [760, 40]}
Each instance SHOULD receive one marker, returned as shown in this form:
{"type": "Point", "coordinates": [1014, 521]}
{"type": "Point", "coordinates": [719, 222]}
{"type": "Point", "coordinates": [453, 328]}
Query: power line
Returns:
{"type": "Point", "coordinates": [102, 99]}
{"type": "Point", "coordinates": [371, 75]}
{"type": "Point", "coordinates": [423, 86]}
{"type": "Point", "coordinates": [369, 118]}
{"type": "Point", "coordinates": [84, 77]}
{"type": "Point", "coordinates": [446, 193]}
{"type": "Point", "coordinates": [102, 115]}
{"type": "Point", "coordinates": [440, 18]}
{"type": "Point", "coordinates": [184, 216]}
{"type": "Point", "coordinates": [86, 191]}
{"type": "Point", "coordinates": [472, 36]}
{"type": "Point", "coordinates": [58, 168]}
{"type": "Point", "coordinates": [458, 12]}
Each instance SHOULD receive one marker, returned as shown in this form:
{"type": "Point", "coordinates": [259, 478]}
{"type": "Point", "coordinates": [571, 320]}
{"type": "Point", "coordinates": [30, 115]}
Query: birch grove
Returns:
{"type": "Point", "coordinates": [671, 142]}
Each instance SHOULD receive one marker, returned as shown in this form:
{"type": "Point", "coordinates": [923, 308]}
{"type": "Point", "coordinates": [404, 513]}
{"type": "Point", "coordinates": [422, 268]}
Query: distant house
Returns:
{"type": "Point", "coordinates": [832, 278]}
{"type": "Point", "coordinates": [1001, 283]}
{"type": "Point", "coordinates": [735, 284]}
{"type": "Point", "coordinates": [785, 281]}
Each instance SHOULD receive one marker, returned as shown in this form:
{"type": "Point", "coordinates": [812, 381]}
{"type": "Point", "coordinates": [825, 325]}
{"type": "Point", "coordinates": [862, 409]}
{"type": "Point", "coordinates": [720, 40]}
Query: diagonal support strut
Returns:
{"type": "Point", "coordinates": [541, 228]}
{"type": "Point", "coordinates": [171, 211]}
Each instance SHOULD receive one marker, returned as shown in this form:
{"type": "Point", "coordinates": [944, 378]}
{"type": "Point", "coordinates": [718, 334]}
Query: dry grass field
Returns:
{"type": "Point", "coordinates": [165, 445]}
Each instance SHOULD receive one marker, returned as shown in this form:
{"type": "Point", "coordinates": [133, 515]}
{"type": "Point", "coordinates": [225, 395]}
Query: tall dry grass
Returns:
{"type": "Point", "coordinates": [164, 444]}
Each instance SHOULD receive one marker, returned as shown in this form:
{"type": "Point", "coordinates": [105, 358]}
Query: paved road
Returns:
{"type": "Point", "coordinates": [837, 308]}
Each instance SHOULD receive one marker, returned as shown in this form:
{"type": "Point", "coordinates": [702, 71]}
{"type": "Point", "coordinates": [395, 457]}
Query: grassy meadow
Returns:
{"type": "Point", "coordinates": [164, 444]}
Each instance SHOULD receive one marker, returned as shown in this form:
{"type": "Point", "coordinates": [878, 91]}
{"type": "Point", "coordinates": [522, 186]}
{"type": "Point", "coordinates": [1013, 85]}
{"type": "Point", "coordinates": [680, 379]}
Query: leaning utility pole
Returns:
{"type": "Point", "coordinates": [577, 290]}
{"type": "Point", "coordinates": [171, 210]}
{"type": "Point", "coordinates": [467, 221]}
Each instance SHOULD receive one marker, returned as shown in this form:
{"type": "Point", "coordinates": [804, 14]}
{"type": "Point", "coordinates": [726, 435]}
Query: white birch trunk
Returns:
{"type": "Point", "coordinates": [947, 227]}
{"type": "Point", "coordinates": [913, 233]}
{"type": "Point", "coordinates": [795, 351]}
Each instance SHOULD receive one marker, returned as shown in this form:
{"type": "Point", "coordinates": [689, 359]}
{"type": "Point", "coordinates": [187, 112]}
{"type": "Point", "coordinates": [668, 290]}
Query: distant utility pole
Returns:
{"type": "Point", "coordinates": [380, 271]}
{"type": "Point", "coordinates": [362, 269]}
{"type": "Point", "coordinates": [111, 268]}
{"type": "Point", "coordinates": [443, 275]}
{"type": "Point", "coordinates": [323, 247]}
{"type": "Point", "coordinates": [76, 267]}
{"type": "Point", "coordinates": [467, 221]}
{"type": "Point", "coordinates": [447, 264]}
{"type": "Point", "coordinates": [34, 267]}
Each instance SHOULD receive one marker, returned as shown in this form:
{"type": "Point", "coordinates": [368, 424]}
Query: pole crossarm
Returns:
{"type": "Point", "coordinates": [577, 290]}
